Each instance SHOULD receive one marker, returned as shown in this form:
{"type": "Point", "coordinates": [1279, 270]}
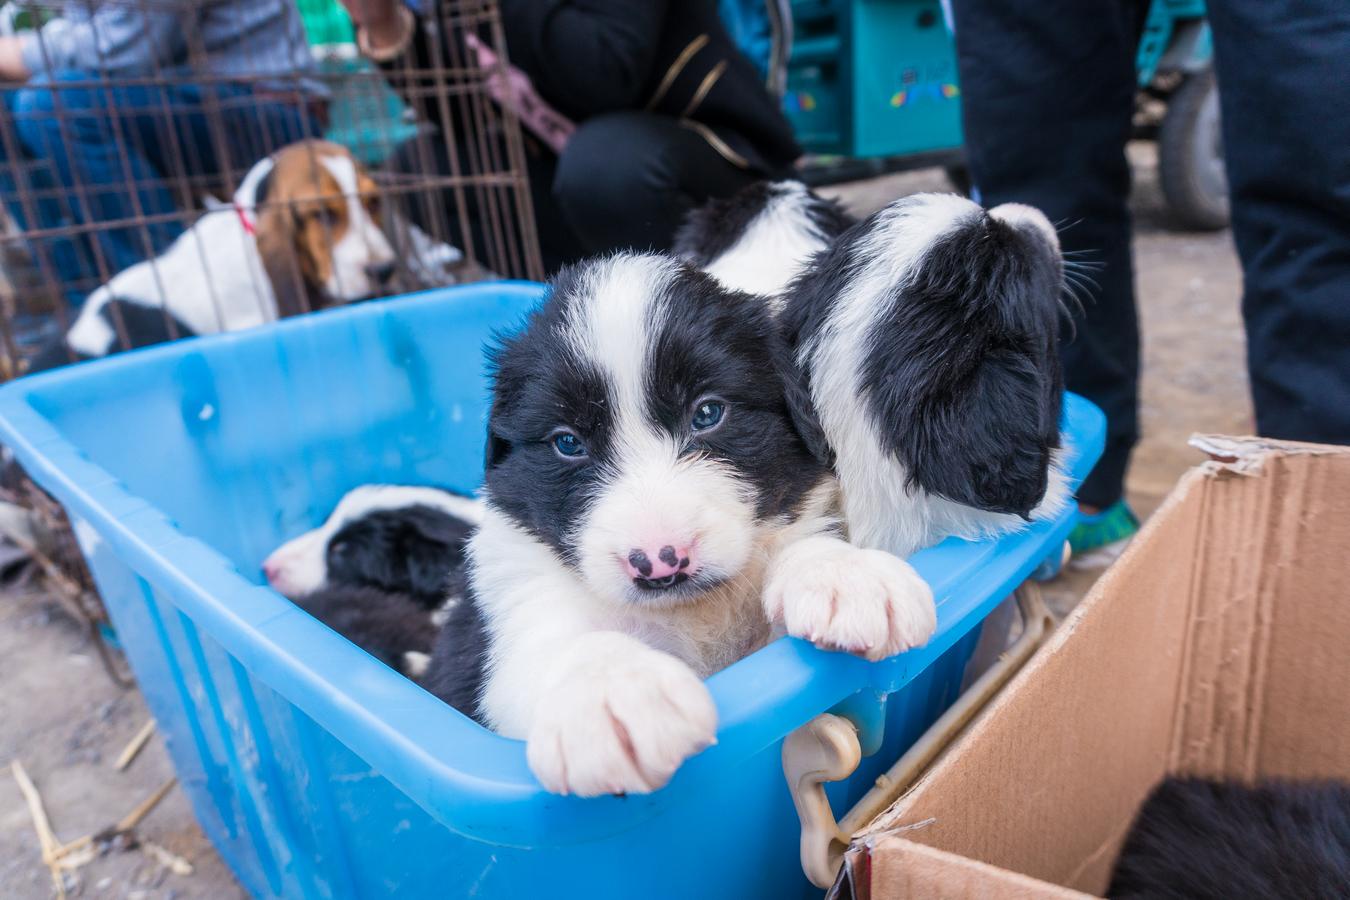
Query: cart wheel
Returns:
{"type": "Point", "coordinates": [1190, 156]}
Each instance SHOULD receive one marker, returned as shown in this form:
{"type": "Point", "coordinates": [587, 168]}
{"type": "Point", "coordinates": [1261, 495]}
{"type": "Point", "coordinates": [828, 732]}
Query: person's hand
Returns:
{"type": "Point", "coordinates": [12, 66]}
{"type": "Point", "coordinates": [381, 22]}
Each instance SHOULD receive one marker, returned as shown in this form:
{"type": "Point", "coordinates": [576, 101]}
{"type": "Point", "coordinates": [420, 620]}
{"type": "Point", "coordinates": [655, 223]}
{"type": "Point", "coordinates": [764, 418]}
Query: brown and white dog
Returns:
{"type": "Point", "coordinates": [304, 231]}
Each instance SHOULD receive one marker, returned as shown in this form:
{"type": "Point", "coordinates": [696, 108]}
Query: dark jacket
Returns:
{"type": "Point", "coordinates": [587, 57]}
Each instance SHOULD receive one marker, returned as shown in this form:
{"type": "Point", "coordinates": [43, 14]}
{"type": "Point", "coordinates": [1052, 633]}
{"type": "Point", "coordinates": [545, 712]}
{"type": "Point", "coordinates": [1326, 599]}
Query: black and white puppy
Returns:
{"type": "Point", "coordinates": [648, 486]}
{"type": "Point", "coordinates": [762, 237]}
{"type": "Point", "coordinates": [928, 336]}
{"type": "Point", "coordinates": [1196, 839]}
{"type": "Point", "coordinates": [384, 570]}
{"type": "Point", "coordinates": [392, 537]}
{"type": "Point", "coordinates": [665, 461]}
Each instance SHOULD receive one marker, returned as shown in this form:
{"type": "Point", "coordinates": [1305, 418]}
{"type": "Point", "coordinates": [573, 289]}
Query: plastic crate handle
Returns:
{"type": "Point", "coordinates": [826, 749]}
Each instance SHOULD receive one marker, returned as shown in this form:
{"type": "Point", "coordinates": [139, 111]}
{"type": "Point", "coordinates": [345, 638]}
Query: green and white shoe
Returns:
{"type": "Point", "coordinates": [1097, 540]}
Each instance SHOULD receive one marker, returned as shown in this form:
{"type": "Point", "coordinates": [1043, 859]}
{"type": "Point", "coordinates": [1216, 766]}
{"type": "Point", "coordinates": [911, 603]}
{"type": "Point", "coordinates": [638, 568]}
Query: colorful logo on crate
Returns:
{"type": "Point", "coordinates": [935, 91]}
{"type": "Point", "coordinates": [804, 101]}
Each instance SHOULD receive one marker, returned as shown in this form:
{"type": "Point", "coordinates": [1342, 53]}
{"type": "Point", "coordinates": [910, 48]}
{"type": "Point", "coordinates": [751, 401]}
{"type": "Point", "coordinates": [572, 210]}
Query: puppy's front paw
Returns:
{"type": "Point", "coordinates": [619, 722]}
{"type": "Point", "coordinates": [867, 602]}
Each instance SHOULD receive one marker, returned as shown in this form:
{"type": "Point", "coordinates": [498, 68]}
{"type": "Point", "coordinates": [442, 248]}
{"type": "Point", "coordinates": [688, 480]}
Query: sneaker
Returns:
{"type": "Point", "coordinates": [1097, 540]}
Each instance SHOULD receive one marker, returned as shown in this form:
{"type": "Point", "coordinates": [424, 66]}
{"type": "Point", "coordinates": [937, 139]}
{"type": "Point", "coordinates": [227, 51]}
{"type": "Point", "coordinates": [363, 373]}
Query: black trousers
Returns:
{"type": "Point", "coordinates": [624, 181]}
{"type": "Point", "coordinates": [1048, 87]}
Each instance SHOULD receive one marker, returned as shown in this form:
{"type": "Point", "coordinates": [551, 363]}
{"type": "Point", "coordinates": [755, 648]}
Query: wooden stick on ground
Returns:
{"type": "Point", "coordinates": [51, 846]}
{"type": "Point", "coordinates": [134, 746]}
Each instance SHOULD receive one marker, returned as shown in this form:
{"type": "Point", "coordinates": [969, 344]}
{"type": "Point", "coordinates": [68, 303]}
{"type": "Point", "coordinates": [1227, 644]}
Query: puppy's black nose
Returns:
{"type": "Point", "coordinates": [380, 273]}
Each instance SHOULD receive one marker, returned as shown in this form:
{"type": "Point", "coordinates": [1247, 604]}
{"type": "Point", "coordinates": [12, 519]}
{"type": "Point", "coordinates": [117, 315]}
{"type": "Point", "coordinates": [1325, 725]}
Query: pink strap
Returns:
{"type": "Point", "coordinates": [514, 91]}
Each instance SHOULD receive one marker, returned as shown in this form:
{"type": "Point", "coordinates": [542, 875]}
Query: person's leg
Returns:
{"type": "Point", "coordinates": [1284, 93]}
{"type": "Point", "coordinates": [36, 203]}
{"type": "Point", "coordinates": [1047, 90]}
{"type": "Point", "coordinates": [95, 137]}
{"type": "Point", "coordinates": [626, 180]}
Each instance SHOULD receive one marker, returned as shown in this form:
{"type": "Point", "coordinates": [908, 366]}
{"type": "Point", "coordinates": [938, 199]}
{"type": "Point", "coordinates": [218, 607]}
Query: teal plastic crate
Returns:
{"type": "Point", "coordinates": [873, 78]}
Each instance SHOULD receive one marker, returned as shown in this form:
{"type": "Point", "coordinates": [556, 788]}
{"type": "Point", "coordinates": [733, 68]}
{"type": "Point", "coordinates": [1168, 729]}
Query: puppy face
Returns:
{"type": "Point", "coordinates": [640, 429]}
{"type": "Point", "coordinates": [322, 209]}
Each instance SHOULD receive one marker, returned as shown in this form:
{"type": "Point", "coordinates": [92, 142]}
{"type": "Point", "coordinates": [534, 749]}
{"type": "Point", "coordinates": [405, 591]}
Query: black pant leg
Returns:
{"type": "Point", "coordinates": [1047, 89]}
{"type": "Point", "coordinates": [625, 180]}
{"type": "Point", "coordinates": [1284, 86]}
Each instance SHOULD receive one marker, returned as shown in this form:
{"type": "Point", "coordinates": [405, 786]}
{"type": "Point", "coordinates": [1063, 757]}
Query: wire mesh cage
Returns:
{"type": "Point", "coordinates": [173, 167]}
{"type": "Point", "coordinates": [180, 167]}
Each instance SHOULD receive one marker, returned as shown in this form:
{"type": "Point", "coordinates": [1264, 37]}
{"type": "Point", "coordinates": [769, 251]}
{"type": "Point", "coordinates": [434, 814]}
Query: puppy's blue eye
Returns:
{"type": "Point", "coordinates": [568, 444]}
{"type": "Point", "coordinates": [707, 414]}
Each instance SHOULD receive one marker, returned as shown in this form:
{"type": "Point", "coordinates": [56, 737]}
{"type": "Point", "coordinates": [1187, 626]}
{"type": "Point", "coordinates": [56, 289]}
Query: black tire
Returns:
{"type": "Point", "coordinates": [1190, 156]}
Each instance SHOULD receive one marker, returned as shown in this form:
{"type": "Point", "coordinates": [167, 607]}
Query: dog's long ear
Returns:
{"type": "Point", "coordinates": [962, 373]}
{"type": "Point", "coordinates": [508, 381]}
{"type": "Point", "coordinates": [432, 546]}
{"type": "Point", "coordinates": [275, 232]}
{"type": "Point", "coordinates": [797, 395]}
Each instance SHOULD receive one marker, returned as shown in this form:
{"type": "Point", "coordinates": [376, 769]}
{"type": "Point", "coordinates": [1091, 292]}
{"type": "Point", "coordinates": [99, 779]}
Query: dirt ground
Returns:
{"type": "Point", "coordinates": [62, 718]}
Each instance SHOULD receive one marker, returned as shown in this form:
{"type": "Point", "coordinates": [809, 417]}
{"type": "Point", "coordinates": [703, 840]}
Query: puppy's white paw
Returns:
{"type": "Point", "coordinates": [867, 602]}
{"type": "Point", "coordinates": [620, 721]}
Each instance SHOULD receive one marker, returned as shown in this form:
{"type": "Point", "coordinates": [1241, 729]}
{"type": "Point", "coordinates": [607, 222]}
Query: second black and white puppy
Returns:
{"type": "Point", "coordinates": [391, 537]}
{"type": "Point", "coordinates": [648, 486]}
{"type": "Point", "coordinates": [928, 336]}
{"type": "Point", "coordinates": [384, 570]}
{"type": "Point", "coordinates": [762, 237]}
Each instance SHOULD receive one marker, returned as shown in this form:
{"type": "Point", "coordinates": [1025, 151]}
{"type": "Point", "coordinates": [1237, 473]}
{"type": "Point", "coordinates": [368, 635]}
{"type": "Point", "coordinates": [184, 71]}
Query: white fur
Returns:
{"type": "Point", "coordinates": [881, 510]}
{"type": "Point", "coordinates": [361, 245]}
{"type": "Point", "coordinates": [840, 597]}
{"type": "Point", "coordinates": [774, 248]}
{"type": "Point", "coordinates": [300, 565]}
{"type": "Point", "coordinates": [1019, 214]}
{"type": "Point", "coordinates": [212, 278]}
{"type": "Point", "coordinates": [564, 656]}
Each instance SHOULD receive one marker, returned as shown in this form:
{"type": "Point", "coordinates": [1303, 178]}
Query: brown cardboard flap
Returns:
{"type": "Point", "coordinates": [1219, 644]}
{"type": "Point", "coordinates": [1048, 778]}
{"type": "Point", "coordinates": [1264, 690]}
{"type": "Point", "coordinates": [901, 868]}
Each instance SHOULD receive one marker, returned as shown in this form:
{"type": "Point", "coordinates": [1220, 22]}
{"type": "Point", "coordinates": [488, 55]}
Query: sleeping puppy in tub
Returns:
{"type": "Point", "coordinates": [304, 232]}
{"type": "Point", "coordinates": [674, 470]}
{"type": "Point", "coordinates": [383, 570]}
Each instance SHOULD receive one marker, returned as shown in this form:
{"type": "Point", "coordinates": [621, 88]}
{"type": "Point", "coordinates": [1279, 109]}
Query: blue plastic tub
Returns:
{"type": "Point", "coordinates": [317, 771]}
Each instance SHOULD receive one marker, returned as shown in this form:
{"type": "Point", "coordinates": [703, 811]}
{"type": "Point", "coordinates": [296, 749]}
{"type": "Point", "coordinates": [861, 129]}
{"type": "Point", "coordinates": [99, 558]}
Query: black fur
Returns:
{"type": "Point", "coordinates": [145, 326]}
{"type": "Point", "coordinates": [383, 623]}
{"type": "Point", "coordinates": [712, 342]}
{"type": "Point", "coordinates": [962, 376]}
{"type": "Point", "coordinates": [417, 551]}
{"type": "Point", "coordinates": [457, 658]}
{"type": "Point", "coordinates": [714, 228]}
{"type": "Point", "coordinates": [1197, 839]}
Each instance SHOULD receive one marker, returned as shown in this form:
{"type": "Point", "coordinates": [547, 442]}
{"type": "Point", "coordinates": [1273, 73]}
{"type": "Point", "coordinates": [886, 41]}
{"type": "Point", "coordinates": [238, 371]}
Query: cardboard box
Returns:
{"type": "Point", "coordinates": [1218, 646]}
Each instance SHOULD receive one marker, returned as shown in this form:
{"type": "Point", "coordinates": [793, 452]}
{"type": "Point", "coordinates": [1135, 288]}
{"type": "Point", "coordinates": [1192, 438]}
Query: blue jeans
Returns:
{"type": "Point", "coordinates": [75, 152]}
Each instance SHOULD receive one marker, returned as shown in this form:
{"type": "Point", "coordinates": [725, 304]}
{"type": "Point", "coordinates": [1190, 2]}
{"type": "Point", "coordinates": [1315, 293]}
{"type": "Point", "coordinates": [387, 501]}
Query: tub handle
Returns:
{"type": "Point", "coordinates": [826, 749]}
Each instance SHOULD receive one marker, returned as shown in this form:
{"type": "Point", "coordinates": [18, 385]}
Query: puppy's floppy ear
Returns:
{"type": "Point", "coordinates": [962, 373]}
{"type": "Point", "coordinates": [432, 545]}
{"type": "Point", "coordinates": [275, 231]}
{"type": "Point", "coordinates": [797, 396]}
{"type": "Point", "coordinates": [508, 381]}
